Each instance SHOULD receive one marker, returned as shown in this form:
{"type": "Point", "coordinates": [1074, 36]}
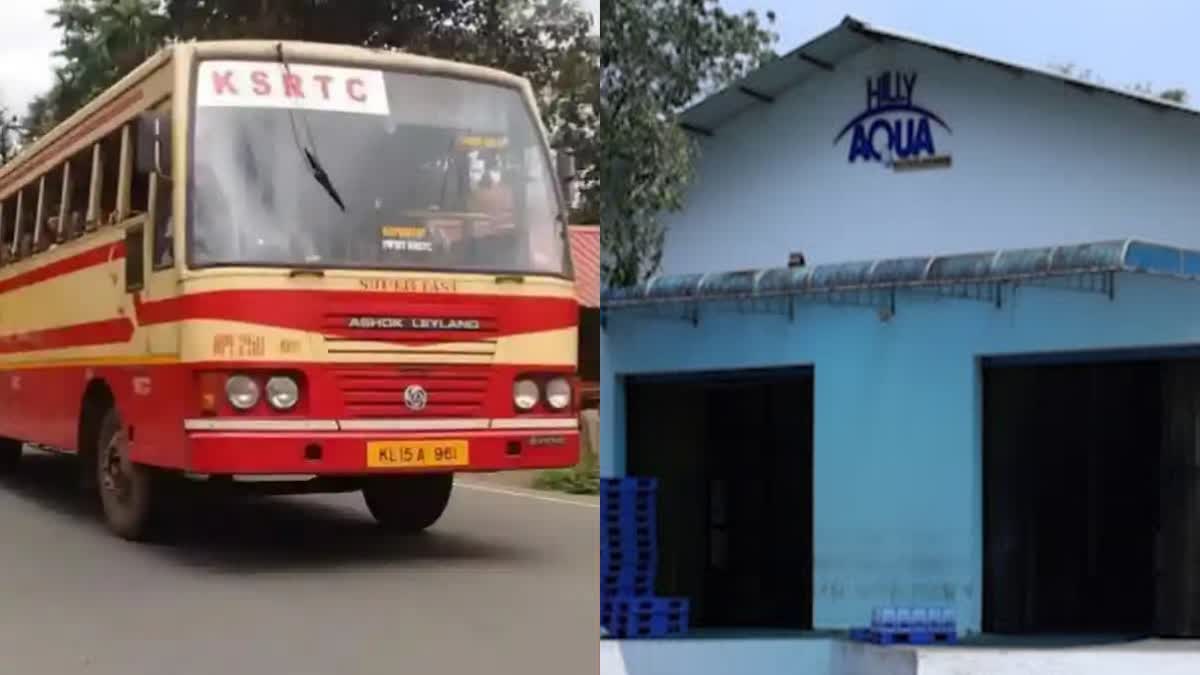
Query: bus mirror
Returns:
{"type": "Point", "coordinates": [154, 143]}
{"type": "Point", "coordinates": [565, 165]}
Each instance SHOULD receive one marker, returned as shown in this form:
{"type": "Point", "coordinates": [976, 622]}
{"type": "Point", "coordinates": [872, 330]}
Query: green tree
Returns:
{"type": "Point", "coordinates": [656, 57]}
{"type": "Point", "coordinates": [10, 133]}
{"type": "Point", "coordinates": [101, 41]}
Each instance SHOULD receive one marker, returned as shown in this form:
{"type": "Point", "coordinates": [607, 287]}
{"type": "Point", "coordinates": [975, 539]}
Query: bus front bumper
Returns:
{"type": "Point", "coordinates": [331, 453]}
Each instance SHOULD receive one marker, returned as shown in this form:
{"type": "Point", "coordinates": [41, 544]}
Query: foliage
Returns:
{"type": "Point", "coordinates": [1173, 94]}
{"type": "Point", "coordinates": [581, 479]}
{"type": "Point", "coordinates": [548, 41]}
{"type": "Point", "coordinates": [573, 481]}
{"type": "Point", "coordinates": [10, 127]}
{"type": "Point", "coordinates": [101, 41]}
{"type": "Point", "coordinates": [656, 57]}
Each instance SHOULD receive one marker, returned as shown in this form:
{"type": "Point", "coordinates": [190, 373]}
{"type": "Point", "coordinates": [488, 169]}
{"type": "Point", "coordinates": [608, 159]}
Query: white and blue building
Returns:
{"type": "Point", "coordinates": [926, 333]}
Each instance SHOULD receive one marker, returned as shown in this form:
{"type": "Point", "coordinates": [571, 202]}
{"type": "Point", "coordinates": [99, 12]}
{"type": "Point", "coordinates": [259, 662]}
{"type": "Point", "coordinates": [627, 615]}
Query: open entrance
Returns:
{"type": "Point", "coordinates": [732, 453]}
{"type": "Point", "coordinates": [1090, 496]}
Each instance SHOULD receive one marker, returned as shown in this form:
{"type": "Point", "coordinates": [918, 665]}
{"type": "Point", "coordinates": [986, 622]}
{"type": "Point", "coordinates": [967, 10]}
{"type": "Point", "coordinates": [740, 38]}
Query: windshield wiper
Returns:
{"type": "Point", "coordinates": [310, 156]}
{"type": "Point", "coordinates": [319, 174]}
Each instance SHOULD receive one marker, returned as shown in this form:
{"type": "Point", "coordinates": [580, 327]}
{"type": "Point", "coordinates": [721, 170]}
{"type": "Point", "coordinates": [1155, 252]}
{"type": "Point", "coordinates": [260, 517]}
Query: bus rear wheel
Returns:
{"type": "Point", "coordinates": [127, 490]}
{"type": "Point", "coordinates": [408, 504]}
{"type": "Point", "coordinates": [10, 454]}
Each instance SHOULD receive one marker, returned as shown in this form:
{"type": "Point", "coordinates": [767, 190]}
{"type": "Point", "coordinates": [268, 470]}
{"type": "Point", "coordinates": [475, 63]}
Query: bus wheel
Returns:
{"type": "Point", "coordinates": [408, 503]}
{"type": "Point", "coordinates": [126, 489]}
{"type": "Point", "coordinates": [10, 454]}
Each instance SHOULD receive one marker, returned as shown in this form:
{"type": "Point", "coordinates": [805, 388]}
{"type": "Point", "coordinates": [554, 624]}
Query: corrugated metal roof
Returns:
{"type": "Point", "coordinates": [585, 254]}
{"type": "Point", "coordinates": [824, 52]}
{"type": "Point", "coordinates": [1012, 265]}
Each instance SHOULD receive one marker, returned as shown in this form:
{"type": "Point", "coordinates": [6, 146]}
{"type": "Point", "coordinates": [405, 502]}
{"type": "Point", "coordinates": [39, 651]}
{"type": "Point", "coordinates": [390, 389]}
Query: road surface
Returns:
{"type": "Point", "coordinates": [504, 583]}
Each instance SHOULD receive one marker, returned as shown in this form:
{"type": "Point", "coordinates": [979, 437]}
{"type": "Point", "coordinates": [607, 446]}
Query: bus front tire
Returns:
{"type": "Point", "coordinates": [127, 490]}
{"type": "Point", "coordinates": [10, 454]}
{"type": "Point", "coordinates": [408, 504]}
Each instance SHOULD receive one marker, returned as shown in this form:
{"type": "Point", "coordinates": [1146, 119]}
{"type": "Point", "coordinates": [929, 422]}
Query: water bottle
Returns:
{"type": "Point", "coordinates": [887, 616]}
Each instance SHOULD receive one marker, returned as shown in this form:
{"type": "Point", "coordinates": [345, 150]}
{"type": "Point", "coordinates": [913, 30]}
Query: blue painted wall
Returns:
{"type": "Point", "coordinates": [745, 655]}
{"type": "Point", "coordinates": [897, 434]}
{"type": "Point", "coordinates": [1035, 162]}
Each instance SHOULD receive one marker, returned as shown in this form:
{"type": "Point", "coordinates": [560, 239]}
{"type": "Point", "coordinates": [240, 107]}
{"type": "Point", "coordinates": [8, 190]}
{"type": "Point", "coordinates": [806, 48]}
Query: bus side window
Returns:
{"type": "Point", "coordinates": [80, 198]}
{"type": "Point", "coordinates": [94, 214]}
{"type": "Point", "coordinates": [135, 264]}
{"type": "Point", "coordinates": [139, 187]}
{"type": "Point", "coordinates": [7, 218]}
{"type": "Point", "coordinates": [160, 188]}
{"type": "Point", "coordinates": [26, 205]}
{"type": "Point", "coordinates": [110, 176]}
{"type": "Point", "coordinates": [46, 229]}
{"type": "Point", "coordinates": [13, 234]}
{"type": "Point", "coordinates": [163, 238]}
{"type": "Point", "coordinates": [64, 207]}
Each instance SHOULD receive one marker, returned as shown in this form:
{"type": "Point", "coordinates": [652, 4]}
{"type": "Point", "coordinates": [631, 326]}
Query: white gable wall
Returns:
{"type": "Point", "coordinates": [1035, 162]}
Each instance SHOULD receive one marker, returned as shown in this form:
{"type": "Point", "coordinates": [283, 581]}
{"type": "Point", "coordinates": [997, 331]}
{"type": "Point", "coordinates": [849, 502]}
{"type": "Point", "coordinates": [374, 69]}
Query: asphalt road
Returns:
{"type": "Point", "coordinates": [503, 583]}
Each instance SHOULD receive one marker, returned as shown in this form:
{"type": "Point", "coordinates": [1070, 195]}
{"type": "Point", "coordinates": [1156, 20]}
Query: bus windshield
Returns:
{"type": "Point", "coordinates": [432, 172]}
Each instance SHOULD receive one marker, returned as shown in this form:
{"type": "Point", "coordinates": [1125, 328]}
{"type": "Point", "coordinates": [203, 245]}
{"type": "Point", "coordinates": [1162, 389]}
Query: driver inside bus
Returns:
{"type": "Point", "coordinates": [491, 194]}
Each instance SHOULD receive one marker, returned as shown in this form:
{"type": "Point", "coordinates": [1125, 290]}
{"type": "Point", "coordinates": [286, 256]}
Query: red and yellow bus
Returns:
{"type": "Point", "coordinates": [290, 267]}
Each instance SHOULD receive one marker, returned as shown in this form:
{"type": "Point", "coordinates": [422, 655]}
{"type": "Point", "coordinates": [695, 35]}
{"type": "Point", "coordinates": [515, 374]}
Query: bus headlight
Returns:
{"type": "Point", "coordinates": [525, 394]}
{"type": "Point", "coordinates": [242, 392]}
{"type": "Point", "coordinates": [282, 392]}
{"type": "Point", "coordinates": [558, 393]}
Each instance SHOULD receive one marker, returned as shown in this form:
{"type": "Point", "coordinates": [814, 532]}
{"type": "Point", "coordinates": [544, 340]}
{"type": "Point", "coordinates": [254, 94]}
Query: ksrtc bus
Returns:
{"type": "Point", "coordinates": [290, 267]}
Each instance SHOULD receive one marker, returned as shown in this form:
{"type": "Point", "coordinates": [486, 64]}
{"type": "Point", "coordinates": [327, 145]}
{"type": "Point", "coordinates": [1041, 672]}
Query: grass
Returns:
{"type": "Point", "coordinates": [581, 479]}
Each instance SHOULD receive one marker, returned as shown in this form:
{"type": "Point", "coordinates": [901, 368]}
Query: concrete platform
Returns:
{"type": "Point", "coordinates": [820, 655]}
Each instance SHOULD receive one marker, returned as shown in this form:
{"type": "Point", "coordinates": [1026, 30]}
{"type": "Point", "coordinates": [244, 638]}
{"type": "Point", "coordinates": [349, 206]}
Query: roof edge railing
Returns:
{"type": "Point", "coordinates": [1005, 266]}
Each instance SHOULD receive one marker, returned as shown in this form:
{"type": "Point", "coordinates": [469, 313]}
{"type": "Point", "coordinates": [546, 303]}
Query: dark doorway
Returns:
{"type": "Point", "coordinates": [1081, 533]}
{"type": "Point", "coordinates": [733, 456]}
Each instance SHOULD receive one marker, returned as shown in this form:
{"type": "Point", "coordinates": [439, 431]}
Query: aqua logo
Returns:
{"type": "Point", "coordinates": [892, 127]}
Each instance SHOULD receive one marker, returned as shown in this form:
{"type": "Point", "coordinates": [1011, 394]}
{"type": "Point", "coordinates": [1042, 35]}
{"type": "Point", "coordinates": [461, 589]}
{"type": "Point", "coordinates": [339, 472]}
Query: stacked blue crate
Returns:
{"type": "Point", "coordinates": [628, 562]}
{"type": "Point", "coordinates": [636, 617]}
{"type": "Point", "coordinates": [909, 625]}
{"type": "Point", "coordinates": [628, 536]}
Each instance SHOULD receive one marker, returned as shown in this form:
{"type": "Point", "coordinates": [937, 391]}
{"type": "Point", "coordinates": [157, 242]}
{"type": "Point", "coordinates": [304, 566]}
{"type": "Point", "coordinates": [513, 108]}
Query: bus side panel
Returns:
{"type": "Point", "coordinates": [41, 405]}
{"type": "Point", "coordinates": [154, 400]}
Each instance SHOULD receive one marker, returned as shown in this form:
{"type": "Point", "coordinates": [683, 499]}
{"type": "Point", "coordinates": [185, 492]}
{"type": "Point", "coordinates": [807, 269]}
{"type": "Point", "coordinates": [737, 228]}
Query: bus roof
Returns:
{"type": "Point", "coordinates": [253, 49]}
{"type": "Point", "coordinates": [323, 51]}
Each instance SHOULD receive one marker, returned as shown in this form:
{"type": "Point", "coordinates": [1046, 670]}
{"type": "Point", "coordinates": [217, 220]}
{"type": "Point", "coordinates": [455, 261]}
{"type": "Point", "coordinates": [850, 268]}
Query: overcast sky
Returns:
{"type": "Point", "coordinates": [27, 39]}
{"type": "Point", "coordinates": [1122, 42]}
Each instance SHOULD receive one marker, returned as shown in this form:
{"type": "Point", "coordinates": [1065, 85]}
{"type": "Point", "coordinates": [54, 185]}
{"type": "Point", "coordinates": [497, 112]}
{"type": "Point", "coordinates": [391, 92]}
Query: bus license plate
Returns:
{"type": "Point", "coordinates": [416, 454]}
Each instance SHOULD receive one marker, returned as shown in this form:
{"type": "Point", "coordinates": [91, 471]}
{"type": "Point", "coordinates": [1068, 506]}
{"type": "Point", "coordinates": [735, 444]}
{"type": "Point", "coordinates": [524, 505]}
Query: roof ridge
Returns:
{"type": "Point", "coordinates": [805, 55]}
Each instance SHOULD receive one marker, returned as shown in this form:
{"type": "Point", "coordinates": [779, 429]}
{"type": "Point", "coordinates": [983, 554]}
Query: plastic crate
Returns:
{"type": "Point", "coordinates": [645, 624]}
{"type": "Point", "coordinates": [627, 521]}
{"type": "Point", "coordinates": [642, 588]}
{"type": "Point", "coordinates": [629, 484]}
{"type": "Point", "coordinates": [912, 637]}
{"type": "Point", "coordinates": [936, 619]}
{"type": "Point", "coordinates": [616, 558]}
{"type": "Point", "coordinates": [643, 605]}
{"type": "Point", "coordinates": [627, 500]}
{"type": "Point", "coordinates": [614, 494]}
{"type": "Point", "coordinates": [909, 625]}
{"type": "Point", "coordinates": [634, 575]}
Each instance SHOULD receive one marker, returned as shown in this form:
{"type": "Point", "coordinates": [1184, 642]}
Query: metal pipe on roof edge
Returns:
{"type": "Point", "coordinates": [757, 95]}
{"type": "Point", "coordinates": [1107, 257]}
{"type": "Point", "coordinates": [819, 63]}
